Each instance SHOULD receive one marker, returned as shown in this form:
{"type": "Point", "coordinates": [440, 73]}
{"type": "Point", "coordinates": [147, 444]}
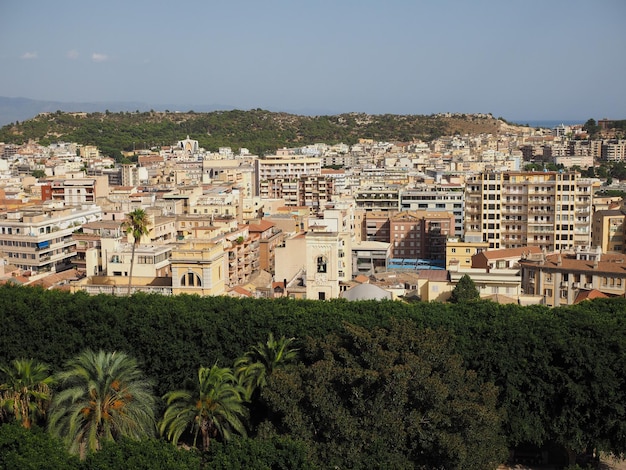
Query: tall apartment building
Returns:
{"type": "Point", "coordinates": [39, 238]}
{"type": "Point", "coordinates": [285, 167]}
{"type": "Point", "coordinates": [613, 150]}
{"type": "Point", "coordinates": [305, 191]}
{"type": "Point", "coordinates": [436, 197]}
{"type": "Point", "coordinates": [550, 210]}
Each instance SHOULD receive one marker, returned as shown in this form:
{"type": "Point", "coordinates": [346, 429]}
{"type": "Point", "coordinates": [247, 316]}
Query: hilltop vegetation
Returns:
{"type": "Point", "coordinates": [257, 130]}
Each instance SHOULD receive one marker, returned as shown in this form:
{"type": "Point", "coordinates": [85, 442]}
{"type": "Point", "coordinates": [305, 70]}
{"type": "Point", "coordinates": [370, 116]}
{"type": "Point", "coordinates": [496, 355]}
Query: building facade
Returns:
{"type": "Point", "coordinates": [550, 210]}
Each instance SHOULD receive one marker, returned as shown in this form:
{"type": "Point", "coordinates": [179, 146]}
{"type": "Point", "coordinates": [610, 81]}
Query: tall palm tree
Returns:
{"type": "Point", "coordinates": [25, 390]}
{"type": "Point", "coordinates": [215, 407]}
{"type": "Point", "coordinates": [136, 224]}
{"type": "Point", "coordinates": [102, 396]}
{"type": "Point", "coordinates": [257, 364]}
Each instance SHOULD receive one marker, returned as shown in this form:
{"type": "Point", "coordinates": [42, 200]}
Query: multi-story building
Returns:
{"type": "Point", "coordinates": [370, 257]}
{"type": "Point", "coordinates": [550, 210]}
{"type": "Point", "coordinates": [379, 198]}
{"type": "Point", "coordinates": [327, 263]}
{"type": "Point", "coordinates": [614, 150]}
{"type": "Point", "coordinates": [242, 250]}
{"type": "Point", "coordinates": [285, 167]}
{"type": "Point", "coordinates": [436, 197]}
{"type": "Point", "coordinates": [93, 243]}
{"type": "Point", "coordinates": [39, 238]}
{"type": "Point", "coordinates": [607, 230]}
{"type": "Point", "coordinates": [562, 278]}
{"type": "Point", "coordinates": [459, 253]}
{"type": "Point", "coordinates": [420, 234]}
{"type": "Point", "coordinates": [198, 267]}
{"type": "Point", "coordinates": [77, 191]}
{"type": "Point", "coordinates": [305, 191]}
{"type": "Point", "coordinates": [270, 237]}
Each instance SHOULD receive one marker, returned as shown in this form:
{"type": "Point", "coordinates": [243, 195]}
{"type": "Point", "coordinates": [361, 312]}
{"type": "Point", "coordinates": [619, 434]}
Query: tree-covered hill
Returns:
{"type": "Point", "coordinates": [258, 130]}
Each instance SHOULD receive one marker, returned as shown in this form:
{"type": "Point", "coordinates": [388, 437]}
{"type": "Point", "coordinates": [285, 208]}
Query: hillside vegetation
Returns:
{"type": "Point", "coordinates": [258, 130]}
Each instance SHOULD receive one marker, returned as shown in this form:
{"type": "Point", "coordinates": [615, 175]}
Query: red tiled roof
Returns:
{"type": "Point", "coordinates": [589, 295]}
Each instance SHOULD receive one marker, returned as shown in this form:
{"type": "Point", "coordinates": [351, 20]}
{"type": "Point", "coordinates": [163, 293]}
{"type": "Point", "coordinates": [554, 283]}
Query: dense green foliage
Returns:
{"type": "Point", "coordinates": [257, 130]}
{"type": "Point", "coordinates": [33, 449]}
{"type": "Point", "coordinates": [388, 398]}
{"type": "Point", "coordinates": [465, 290]}
{"type": "Point", "coordinates": [558, 373]}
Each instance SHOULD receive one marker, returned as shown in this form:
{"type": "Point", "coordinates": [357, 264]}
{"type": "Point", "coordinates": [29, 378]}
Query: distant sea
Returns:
{"type": "Point", "coordinates": [549, 124]}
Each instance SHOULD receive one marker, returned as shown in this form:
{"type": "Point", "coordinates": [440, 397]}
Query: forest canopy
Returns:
{"type": "Point", "coordinates": [534, 376]}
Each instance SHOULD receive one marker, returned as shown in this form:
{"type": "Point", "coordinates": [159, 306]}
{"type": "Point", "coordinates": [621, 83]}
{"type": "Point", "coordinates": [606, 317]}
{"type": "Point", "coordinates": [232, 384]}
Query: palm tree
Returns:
{"type": "Point", "coordinates": [102, 396]}
{"type": "Point", "coordinates": [25, 391]}
{"type": "Point", "coordinates": [216, 407]}
{"type": "Point", "coordinates": [257, 364]}
{"type": "Point", "coordinates": [136, 225]}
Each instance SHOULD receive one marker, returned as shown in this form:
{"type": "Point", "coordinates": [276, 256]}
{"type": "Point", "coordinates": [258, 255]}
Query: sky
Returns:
{"type": "Point", "coordinates": [522, 60]}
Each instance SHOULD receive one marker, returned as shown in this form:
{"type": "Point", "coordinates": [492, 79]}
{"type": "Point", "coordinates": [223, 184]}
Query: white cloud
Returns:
{"type": "Point", "coordinates": [73, 54]}
{"type": "Point", "coordinates": [29, 55]}
{"type": "Point", "coordinates": [96, 57]}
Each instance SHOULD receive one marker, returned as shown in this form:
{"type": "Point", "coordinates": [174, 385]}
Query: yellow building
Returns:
{"type": "Point", "coordinates": [459, 253]}
{"type": "Point", "coordinates": [607, 230]}
{"type": "Point", "coordinates": [198, 267]}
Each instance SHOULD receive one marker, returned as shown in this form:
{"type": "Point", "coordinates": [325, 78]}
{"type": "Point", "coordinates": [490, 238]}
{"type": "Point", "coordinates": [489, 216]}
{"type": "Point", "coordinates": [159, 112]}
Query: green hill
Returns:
{"type": "Point", "coordinates": [258, 130]}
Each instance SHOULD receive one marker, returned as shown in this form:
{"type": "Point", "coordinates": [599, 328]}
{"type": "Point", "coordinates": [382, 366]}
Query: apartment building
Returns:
{"type": "Point", "coordinates": [613, 150]}
{"type": "Point", "coordinates": [379, 198]}
{"type": "Point", "coordinates": [420, 234]}
{"type": "Point", "coordinates": [93, 243]}
{"type": "Point", "coordinates": [286, 167]}
{"type": "Point", "coordinates": [39, 238]}
{"type": "Point", "coordinates": [607, 230]}
{"type": "Point", "coordinates": [304, 191]}
{"type": "Point", "coordinates": [550, 210]}
{"type": "Point", "coordinates": [270, 236]}
{"type": "Point", "coordinates": [77, 191]}
{"type": "Point", "coordinates": [436, 197]}
{"type": "Point", "coordinates": [565, 278]}
{"type": "Point", "coordinates": [242, 251]}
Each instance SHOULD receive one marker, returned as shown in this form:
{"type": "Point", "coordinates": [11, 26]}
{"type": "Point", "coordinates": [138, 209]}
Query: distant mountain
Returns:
{"type": "Point", "coordinates": [22, 109]}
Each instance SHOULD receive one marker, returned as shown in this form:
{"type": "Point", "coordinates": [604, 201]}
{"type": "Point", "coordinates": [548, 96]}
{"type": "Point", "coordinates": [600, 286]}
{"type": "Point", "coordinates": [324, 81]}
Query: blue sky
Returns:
{"type": "Point", "coordinates": [522, 60]}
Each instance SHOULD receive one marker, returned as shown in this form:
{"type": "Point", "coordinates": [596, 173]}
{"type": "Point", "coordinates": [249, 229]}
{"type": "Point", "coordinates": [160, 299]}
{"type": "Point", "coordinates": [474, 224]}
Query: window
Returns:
{"type": "Point", "coordinates": [321, 265]}
{"type": "Point", "coordinates": [321, 295]}
{"type": "Point", "coordinates": [190, 279]}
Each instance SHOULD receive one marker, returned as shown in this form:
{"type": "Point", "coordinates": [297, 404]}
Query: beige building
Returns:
{"type": "Point", "coordinates": [459, 253]}
{"type": "Point", "coordinates": [607, 230]}
{"type": "Point", "coordinates": [327, 263]}
{"type": "Point", "coordinates": [549, 210]}
{"type": "Point", "coordinates": [39, 238]}
{"type": "Point", "coordinates": [564, 278]}
{"type": "Point", "coordinates": [270, 236]}
{"type": "Point", "coordinates": [198, 267]}
{"type": "Point", "coordinates": [318, 261]}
